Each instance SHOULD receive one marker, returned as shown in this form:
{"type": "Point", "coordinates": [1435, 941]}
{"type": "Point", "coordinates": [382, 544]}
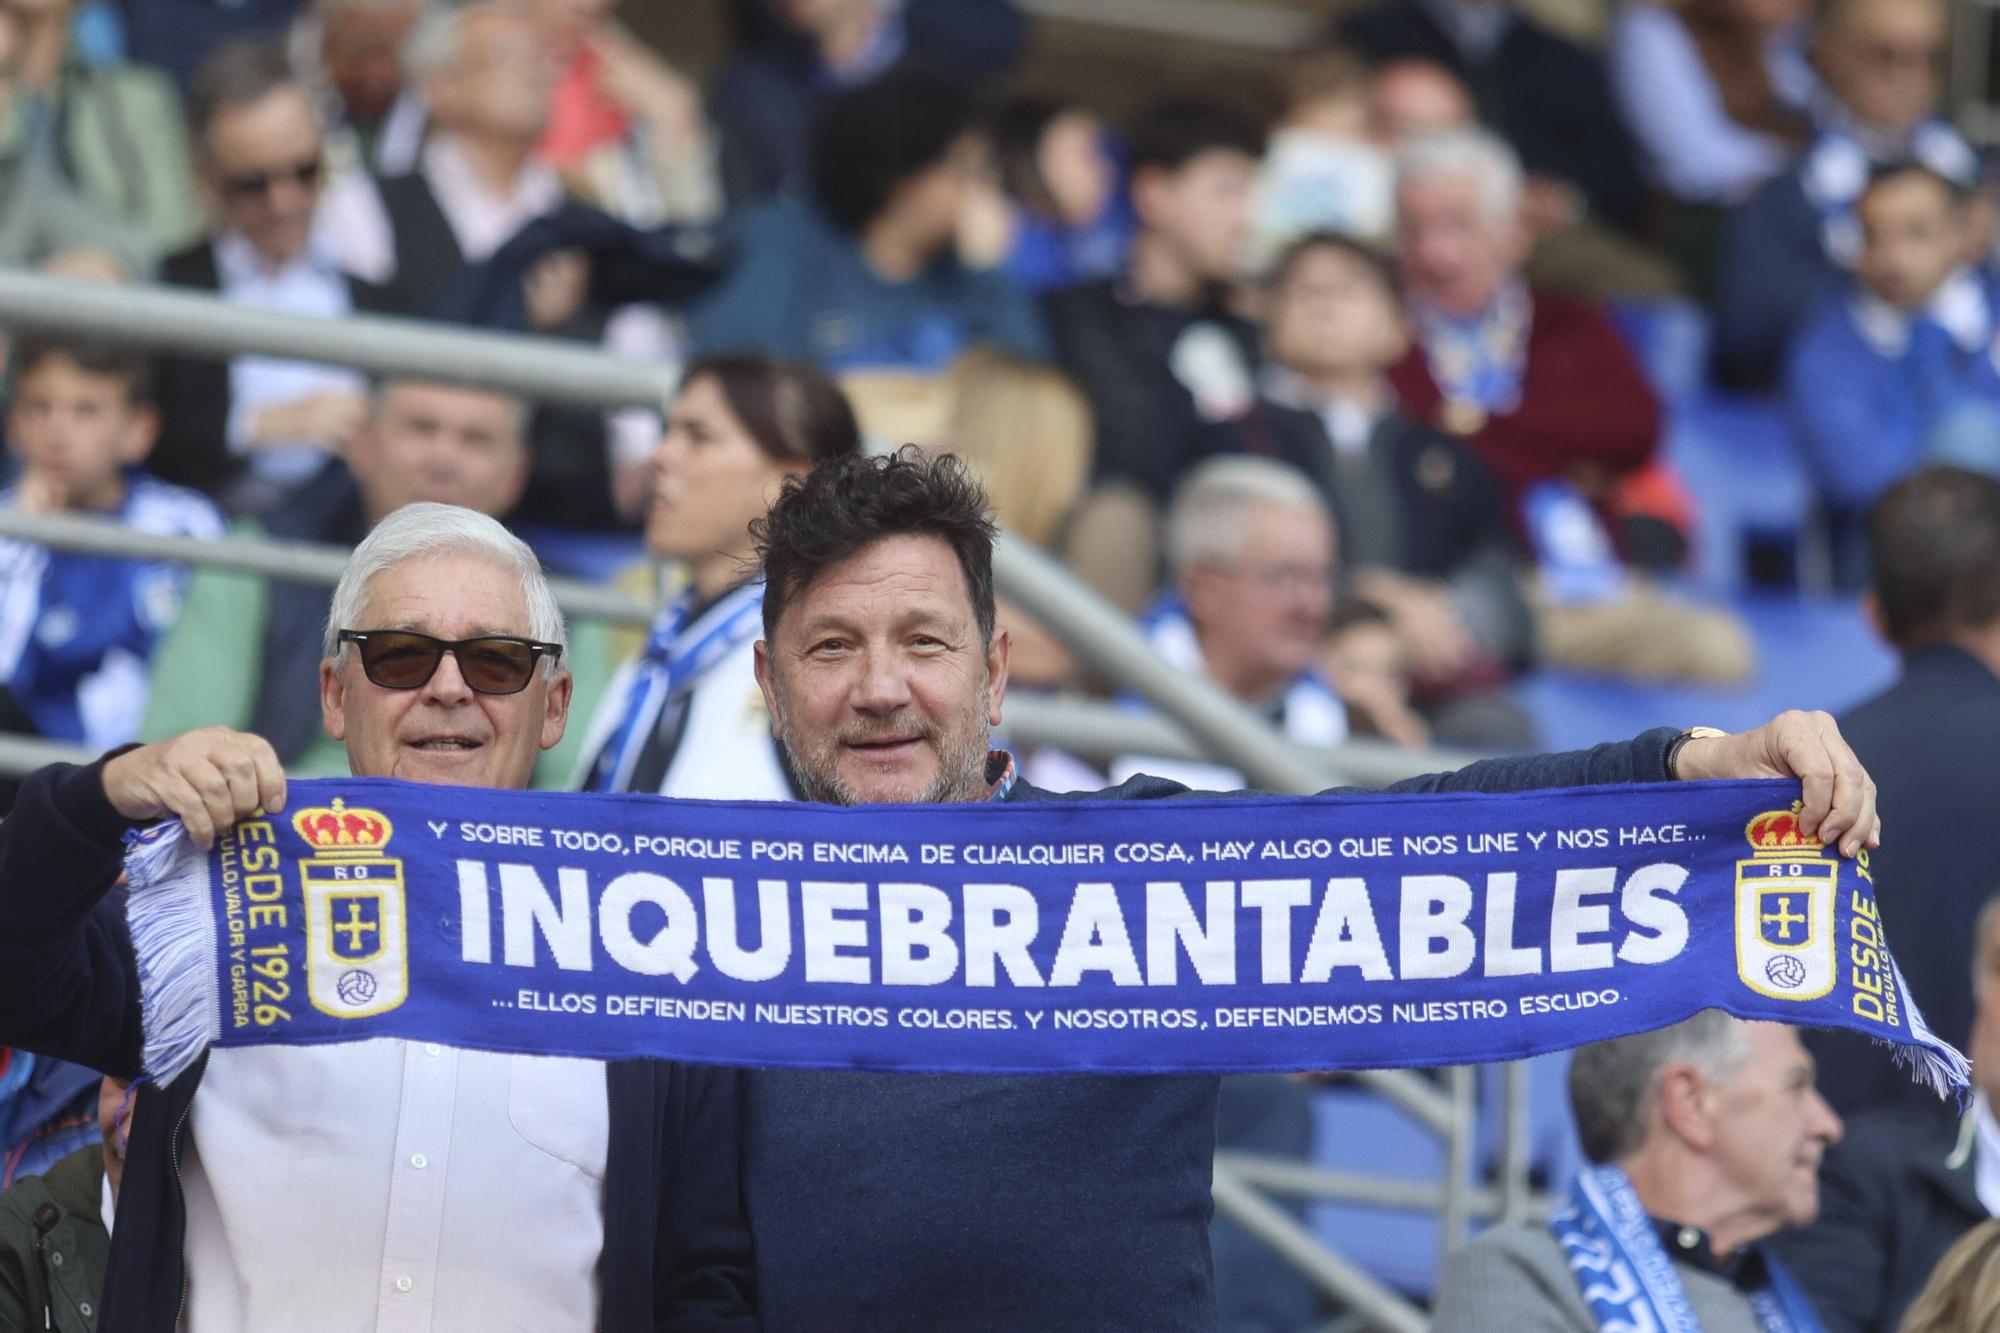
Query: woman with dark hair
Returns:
{"type": "Point", "coordinates": [685, 718]}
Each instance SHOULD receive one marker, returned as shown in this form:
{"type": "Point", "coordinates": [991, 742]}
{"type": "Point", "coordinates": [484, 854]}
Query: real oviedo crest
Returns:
{"type": "Point", "coordinates": [357, 947]}
{"type": "Point", "coordinates": [1784, 910]}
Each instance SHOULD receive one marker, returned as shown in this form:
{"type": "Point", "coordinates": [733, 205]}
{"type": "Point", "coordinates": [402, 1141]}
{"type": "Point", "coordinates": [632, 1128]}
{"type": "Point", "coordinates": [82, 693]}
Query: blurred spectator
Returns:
{"type": "Point", "coordinates": [1544, 390]}
{"type": "Point", "coordinates": [1323, 170]}
{"type": "Point", "coordinates": [627, 132]}
{"type": "Point", "coordinates": [1931, 742]}
{"type": "Point", "coordinates": [1365, 660]}
{"type": "Point", "coordinates": [1908, 1181]}
{"type": "Point", "coordinates": [110, 134]}
{"type": "Point", "coordinates": [489, 81]}
{"type": "Point", "coordinates": [43, 217]}
{"type": "Point", "coordinates": [898, 263]}
{"type": "Point", "coordinates": [80, 629]}
{"type": "Point", "coordinates": [1545, 94]}
{"type": "Point", "coordinates": [1712, 1128]}
{"type": "Point", "coordinates": [1570, 250]}
{"type": "Point", "coordinates": [246, 651]}
{"type": "Point", "coordinates": [768, 97]}
{"type": "Point", "coordinates": [177, 35]}
{"type": "Point", "coordinates": [1714, 91]}
{"type": "Point", "coordinates": [48, 1109]}
{"type": "Point", "coordinates": [1072, 216]}
{"type": "Point", "coordinates": [55, 1239]}
{"type": "Point", "coordinates": [251, 428]}
{"type": "Point", "coordinates": [1881, 63]}
{"type": "Point", "coordinates": [349, 54]}
{"type": "Point", "coordinates": [1025, 431]}
{"type": "Point", "coordinates": [1251, 550]}
{"type": "Point", "coordinates": [1899, 368]}
{"type": "Point", "coordinates": [1964, 1291]}
{"type": "Point", "coordinates": [685, 716]}
{"type": "Point", "coordinates": [1423, 528]}
{"type": "Point", "coordinates": [1158, 350]}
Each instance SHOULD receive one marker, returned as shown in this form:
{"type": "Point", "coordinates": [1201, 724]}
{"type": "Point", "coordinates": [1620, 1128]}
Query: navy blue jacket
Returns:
{"type": "Point", "coordinates": [676, 1247]}
{"type": "Point", "coordinates": [1894, 1195]}
{"type": "Point", "coordinates": [1077, 1203]}
{"type": "Point", "coordinates": [1931, 741]}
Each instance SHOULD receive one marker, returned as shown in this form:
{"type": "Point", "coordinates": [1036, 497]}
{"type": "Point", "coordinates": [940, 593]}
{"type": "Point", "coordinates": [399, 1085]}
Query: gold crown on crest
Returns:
{"type": "Point", "coordinates": [335, 829]}
{"type": "Point", "coordinates": [1777, 833]}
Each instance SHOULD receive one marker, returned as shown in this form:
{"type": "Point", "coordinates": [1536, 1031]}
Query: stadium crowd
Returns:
{"type": "Point", "coordinates": [1436, 366]}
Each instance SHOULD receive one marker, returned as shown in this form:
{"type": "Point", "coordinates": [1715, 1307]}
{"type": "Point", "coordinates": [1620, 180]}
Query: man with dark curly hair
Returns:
{"type": "Point", "coordinates": [1073, 1202]}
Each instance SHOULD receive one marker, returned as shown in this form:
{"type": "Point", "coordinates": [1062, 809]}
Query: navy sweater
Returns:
{"type": "Point", "coordinates": [918, 1202]}
{"type": "Point", "coordinates": [676, 1249]}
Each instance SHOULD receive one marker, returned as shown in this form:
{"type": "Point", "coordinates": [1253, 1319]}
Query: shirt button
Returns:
{"type": "Point", "coordinates": [55, 1259]}
{"type": "Point", "coordinates": [420, 1161]}
{"type": "Point", "coordinates": [404, 1284]}
{"type": "Point", "coordinates": [83, 1308]}
{"type": "Point", "coordinates": [432, 1049]}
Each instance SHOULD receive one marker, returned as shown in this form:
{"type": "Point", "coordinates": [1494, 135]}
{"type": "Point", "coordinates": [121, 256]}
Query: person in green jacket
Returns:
{"type": "Point", "coordinates": [54, 1242]}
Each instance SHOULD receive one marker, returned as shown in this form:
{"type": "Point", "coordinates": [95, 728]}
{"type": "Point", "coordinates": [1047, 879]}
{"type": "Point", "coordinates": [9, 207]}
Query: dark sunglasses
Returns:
{"type": "Point", "coordinates": [305, 175]}
{"type": "Point", "coordinates": [400, 659]}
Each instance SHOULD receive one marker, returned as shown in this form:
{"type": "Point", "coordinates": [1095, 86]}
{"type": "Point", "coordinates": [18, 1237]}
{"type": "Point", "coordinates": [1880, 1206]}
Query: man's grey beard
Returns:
{"type": "Point", "coordinates": [961, 777]}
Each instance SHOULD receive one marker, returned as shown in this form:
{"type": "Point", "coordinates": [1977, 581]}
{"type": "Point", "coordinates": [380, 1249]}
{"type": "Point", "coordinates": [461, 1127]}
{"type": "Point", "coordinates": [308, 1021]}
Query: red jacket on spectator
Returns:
{"type": "Point", "coordinates": [1587, 413]}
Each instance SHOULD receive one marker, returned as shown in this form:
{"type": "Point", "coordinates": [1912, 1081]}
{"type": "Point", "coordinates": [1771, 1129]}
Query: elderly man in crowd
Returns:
{"type": "Point", "coordinates": [891, 1202]}
{"type": "Point", "coordinates": [1713, 1128]}
{"type": "Point", "coordinates": [255, 428]}
{"type": "Point", "coordinates": [474, 1189]}
{"type": "Point", "coordinates": [1907, 1182]}
{"type": "Point", "coordinates": [1545, 392]}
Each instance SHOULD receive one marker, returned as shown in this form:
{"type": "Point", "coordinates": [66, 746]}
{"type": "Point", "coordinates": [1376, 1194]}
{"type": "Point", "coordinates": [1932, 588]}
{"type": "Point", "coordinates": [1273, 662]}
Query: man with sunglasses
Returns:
{"type": "Point", "coordinates": [379, 1184]}
{"type": "Point", "coordinates": [254, 429]}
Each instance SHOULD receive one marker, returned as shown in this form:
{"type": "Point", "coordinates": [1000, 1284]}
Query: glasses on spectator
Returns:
{"type": "Point", "coordinates": [1902, 56]}
{"type": "Point", "coordinates": [256, 185]}
{"type": "Point", "coordinates": [1285, 580]}
{"type": "Point", "coordinates": [400, 659]}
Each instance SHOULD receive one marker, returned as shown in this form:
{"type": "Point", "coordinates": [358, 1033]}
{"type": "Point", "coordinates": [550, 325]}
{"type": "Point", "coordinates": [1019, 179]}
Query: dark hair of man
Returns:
{"type": "Point", "coordinates": [1169, 134]}
{"type": "Point", "coordinates": [128, 365]}
{"type": "Point", "coordinates": [1934, 544]}
{"type": "Point", "coordinates": [793, 412]}
{"type": "Point", "coordinates": [1360, 252]}
{"type": "Point", "coordinates": [236, 74]}
{"type": "Point", "coordinates": [840, 509]}
{"type": "Point", "coordinates": [875, 138]}
{"type": "Point", "coordinates": [1958, 192]}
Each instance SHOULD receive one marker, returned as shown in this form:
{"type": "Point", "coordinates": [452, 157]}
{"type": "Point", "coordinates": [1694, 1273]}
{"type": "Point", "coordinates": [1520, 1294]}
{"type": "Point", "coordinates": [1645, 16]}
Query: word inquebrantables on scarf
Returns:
{"type": "Point", "coordinates": [1142, 936]}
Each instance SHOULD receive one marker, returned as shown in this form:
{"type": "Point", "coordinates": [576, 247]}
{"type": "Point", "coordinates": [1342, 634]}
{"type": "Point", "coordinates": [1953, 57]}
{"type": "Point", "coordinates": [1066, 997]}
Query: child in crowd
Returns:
{"type": "Point", "coordinates": [1072, 218]}
{"type": "Point", "coordinates": [1900, 369]}
{"type": "Point", "coordinates": [1365, 659]}
{"type": "Point", "coordinates": [77, 631]}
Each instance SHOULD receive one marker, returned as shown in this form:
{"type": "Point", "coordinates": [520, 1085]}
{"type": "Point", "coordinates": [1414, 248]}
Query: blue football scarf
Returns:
{"type": "Point", "coordinates": [1214, 934]}
{"type": "Point", "coordinates": [1628, 1278]}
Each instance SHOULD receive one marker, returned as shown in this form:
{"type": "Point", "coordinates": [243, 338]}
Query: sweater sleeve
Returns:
{"type": "Point", "coordinates": [1857, 413]}
{"type": "Point", "coordinates": [1642, 759]}
{"type": "Point", "coordinates": [69, 985]}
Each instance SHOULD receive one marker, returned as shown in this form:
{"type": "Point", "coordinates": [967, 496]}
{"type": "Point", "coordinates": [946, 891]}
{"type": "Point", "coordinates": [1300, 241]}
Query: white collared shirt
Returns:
{"type": "Point", "coordinates": [306, 285]}
{"type": "Point", "coordinates": [354, 227]}
{"type": "Point", "coordinates": [394, 1186]}
{"type": "Point", "coordinates": [1959, 306]}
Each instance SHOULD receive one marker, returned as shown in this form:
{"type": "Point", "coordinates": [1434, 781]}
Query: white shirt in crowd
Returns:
{"type": "Point", "coordinates": [393, 1185]}
{"type": "Point", "coordinates": [310, 284]}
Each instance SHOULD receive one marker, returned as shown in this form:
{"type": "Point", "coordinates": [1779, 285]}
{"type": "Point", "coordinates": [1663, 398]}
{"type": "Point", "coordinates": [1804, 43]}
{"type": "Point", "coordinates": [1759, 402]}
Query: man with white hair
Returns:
{"type": "Point", "coordinates": [489, 83]}
{"type": "Point", "coordinates": [1250, 546]}
{"type": "Point", "coordinates": [1542, 388]}
{"type": "Point", "coordinates": [385, 1183]}
{"type": "Point", "coordinates": [1707, 1138]}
